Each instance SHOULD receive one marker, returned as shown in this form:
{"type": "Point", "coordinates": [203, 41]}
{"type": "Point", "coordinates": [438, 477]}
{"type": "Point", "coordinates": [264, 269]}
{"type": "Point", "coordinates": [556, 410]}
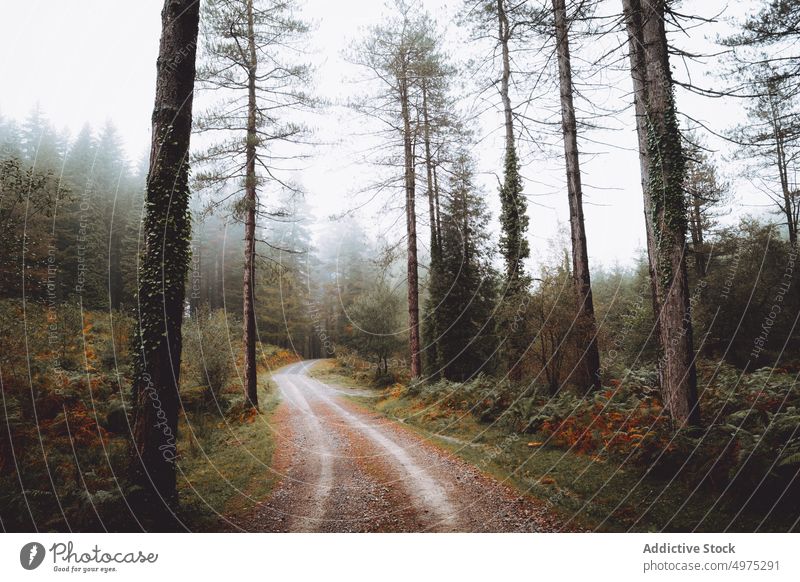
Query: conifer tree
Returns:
{"type": "Point", "coordinates": [249, 53]}
{"type": "Point", "coordinates": [462, 294]}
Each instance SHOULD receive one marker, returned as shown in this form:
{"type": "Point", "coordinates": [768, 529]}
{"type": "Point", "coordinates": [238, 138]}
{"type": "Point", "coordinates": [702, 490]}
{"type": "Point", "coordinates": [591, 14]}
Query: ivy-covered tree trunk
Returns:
{"type": "Point", "coordinates": [513, 214]}
{"type": "Point", "coordinates": [411, 230]}
{"type": "Point", "coordinates": [248, 282]}
{"type": "Point", "coordinates": [665, 207]}
{"type": "Point", "coordinates": [586, 325]}
{"type": "Point", "coordinates": [513, 221]}
{"type": "Point", "coordinates": [164, 265]}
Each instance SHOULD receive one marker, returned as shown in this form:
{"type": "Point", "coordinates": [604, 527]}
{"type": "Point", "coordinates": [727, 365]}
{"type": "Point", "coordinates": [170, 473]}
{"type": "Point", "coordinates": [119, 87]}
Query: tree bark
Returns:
{"type": "Point", "coordinates": [163, 267]}
{"type": "Point", "coordinates": [665, 206]}
{"type": "Point", "coordinates": [411, 231]}
{"type": "Point", "coordinates": [587, 327]}
{"type": "Point", "coordinates": [248, 282]}
{"type": "Point", "coordinates": [633, 20]}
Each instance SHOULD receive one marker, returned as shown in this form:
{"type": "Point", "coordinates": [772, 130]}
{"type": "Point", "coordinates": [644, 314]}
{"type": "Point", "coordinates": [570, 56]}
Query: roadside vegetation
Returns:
{"type": "Point", "coordinates": [64, 466]}
{"type": "Point", "coordinates": [611, 461]}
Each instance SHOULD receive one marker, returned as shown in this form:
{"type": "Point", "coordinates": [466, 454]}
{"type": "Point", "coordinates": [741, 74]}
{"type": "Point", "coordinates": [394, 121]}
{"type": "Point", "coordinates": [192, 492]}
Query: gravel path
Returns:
{"type": "Point", "coordinates": [345, 469]}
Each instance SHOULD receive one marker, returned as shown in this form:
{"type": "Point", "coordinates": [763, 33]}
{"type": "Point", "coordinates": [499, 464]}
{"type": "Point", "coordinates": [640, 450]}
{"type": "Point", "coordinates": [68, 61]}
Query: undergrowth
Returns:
{"type": "Point", "coordinates": [613, 460]}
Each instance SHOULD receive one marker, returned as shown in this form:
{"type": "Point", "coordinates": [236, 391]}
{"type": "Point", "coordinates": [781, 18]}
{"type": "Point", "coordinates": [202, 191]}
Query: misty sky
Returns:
{"type": "Point", "coordinates": [94, 60]}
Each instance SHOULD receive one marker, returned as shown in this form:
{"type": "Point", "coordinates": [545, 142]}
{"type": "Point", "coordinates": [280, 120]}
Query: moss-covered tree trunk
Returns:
{"type": "Point", "coordinates": [163, 266]}
{"type": "Point", "coordinates": [586, 325]}
{"type": "Point", "coordinates": [665, 206]}
{"type": "Point", "coordinates": [248, 281]}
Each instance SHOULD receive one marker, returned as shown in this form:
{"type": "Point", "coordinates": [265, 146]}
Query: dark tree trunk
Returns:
{"type": "Point", "coordinates": [251, 201]}
{"type": "Point", "coordinates": [163, 266]}
{"type": "Point", "coordinates": [411, 232]}
{"type": "Point", "coordinates": [665, 206]}
{"type": "Point", "coordinates": [587, 328]}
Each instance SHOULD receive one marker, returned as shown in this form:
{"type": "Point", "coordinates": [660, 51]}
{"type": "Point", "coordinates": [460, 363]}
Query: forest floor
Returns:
{"type": "Point", "coordinates": [342, 467]}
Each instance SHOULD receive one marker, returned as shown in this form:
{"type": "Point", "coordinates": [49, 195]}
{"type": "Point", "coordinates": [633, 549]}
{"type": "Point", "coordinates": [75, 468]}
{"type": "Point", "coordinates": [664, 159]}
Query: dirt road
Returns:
{"type": "Point", "coordinates": [345, 469]}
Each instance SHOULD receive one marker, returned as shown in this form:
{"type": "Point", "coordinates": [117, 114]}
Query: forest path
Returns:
{"type": "Point", "coordinates": [345, 469]}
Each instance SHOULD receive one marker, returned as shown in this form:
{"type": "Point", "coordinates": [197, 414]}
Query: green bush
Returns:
{"type": "Point", "coordinates": [207, 351]}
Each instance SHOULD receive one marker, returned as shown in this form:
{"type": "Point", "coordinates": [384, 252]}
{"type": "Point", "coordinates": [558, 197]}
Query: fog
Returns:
{"type": "Point", "coordinates": [90, 62]}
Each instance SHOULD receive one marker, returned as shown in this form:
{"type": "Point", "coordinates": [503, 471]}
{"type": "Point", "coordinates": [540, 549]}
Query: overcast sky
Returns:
{"type": "Point", "coordinates": [94, 60]}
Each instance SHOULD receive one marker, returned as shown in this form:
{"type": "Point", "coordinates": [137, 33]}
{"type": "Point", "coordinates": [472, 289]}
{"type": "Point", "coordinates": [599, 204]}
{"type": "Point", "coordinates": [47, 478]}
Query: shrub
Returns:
{"type": "Point", "coordinates": [274, 357]}
{"type": "Point", "coordinates": [113, 345]}
{"type": "Point", "coordinates": [207, 351]}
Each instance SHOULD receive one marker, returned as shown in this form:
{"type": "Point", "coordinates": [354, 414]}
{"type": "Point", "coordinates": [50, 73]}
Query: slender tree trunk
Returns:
{"type": "Point", "coordinates": [665, 206]}
{"type": "Point", "coordinates": [512, 204]}
{"type": "Point", "coordinates": [248, 283]}
{"type": "Point", "coordinates": [219, 279]}
{"type": "Point", "coordinates": [163, 267]}
{"type": "Point", "coordinates": [429, 171]}
{"type": "Point", "coordinates": [201, 278]}
{"type": "Point", "coordinates": [783, 172]}
{"type": "Point", "coordinates": [411, 233]}
{"type": "Point", "coordinates": [436, 205]}
{"type": "Point", "coordinates": [503, 36]}
{"type": "Point", "coordinates": [587, 327]}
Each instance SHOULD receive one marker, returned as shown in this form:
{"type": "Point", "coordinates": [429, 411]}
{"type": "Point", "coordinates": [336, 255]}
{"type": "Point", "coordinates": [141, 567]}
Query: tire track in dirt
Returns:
{"type": "Point", "coordinates": [344, 468]}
